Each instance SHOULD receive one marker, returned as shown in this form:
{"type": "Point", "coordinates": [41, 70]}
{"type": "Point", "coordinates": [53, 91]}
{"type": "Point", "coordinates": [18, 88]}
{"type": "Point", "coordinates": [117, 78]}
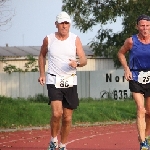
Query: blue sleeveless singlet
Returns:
{"type": "Point", "coordinates": [139, 57]}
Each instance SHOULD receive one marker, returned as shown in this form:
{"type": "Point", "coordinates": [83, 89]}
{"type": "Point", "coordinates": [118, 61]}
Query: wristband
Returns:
{"type": "Point", "coordinates": [78, 64]}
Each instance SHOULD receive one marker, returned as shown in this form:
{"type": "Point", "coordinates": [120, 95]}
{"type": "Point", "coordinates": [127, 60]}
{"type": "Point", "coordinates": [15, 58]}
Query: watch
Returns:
{"type": "Point", "coordinates": [78, 64]}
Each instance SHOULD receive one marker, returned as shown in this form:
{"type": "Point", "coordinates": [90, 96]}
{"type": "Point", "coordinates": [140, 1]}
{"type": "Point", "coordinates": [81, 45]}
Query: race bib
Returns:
{"type": "Point", "coordinates": [144, 77]}
{"type": "Point", "coordinates": [64, 82]}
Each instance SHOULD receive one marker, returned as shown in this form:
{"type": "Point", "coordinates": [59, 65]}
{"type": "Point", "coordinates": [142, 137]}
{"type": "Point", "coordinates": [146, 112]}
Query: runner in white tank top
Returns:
{"type": "Point", "coordinates": [59, 56]}
{"type": "Point", "coordinates": [62, 48]}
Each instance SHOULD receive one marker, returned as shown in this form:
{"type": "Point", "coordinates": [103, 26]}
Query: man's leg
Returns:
{"type": "Point", "coordinates": [147, 116]}
{"type": "Point", "coordinates": [141, 125]}
{"type": "Point", "coordinates": [66, 124]}
{"type": "Point", "coordinates": [56, 108]}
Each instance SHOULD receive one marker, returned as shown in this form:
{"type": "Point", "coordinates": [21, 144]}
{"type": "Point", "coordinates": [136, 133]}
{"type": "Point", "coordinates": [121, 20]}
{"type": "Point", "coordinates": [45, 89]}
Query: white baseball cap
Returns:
{"type": "Point", "coordinates": [62, 17]}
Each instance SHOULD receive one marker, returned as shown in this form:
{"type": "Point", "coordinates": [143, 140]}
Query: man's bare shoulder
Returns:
{"type": "Point", "coordinates": [129, 41]}
{"type": "Point", "coordinates": [45, 41]}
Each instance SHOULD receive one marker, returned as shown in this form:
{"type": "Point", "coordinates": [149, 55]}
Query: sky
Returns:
{"type": "Point", "coordinates": [34, 19]}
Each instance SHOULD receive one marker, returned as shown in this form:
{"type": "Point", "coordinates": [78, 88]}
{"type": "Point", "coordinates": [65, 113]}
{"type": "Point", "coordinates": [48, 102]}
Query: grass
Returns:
{"type": "Point", "coordinates": [22, 113]}
{"type": "Point", "coordinates": [105, 111]}
{"type": "Point", "coordinates": [35, 112]}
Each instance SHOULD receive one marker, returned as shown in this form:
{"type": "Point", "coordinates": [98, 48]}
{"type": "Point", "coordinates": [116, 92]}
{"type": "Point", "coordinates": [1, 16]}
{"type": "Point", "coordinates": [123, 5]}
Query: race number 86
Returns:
{"type": "Point", "coordinates": [64, 83]}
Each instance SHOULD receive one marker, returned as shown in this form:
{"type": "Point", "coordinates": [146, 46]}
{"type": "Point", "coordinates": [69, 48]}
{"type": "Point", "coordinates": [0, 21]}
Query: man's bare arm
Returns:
{"type": "Point", "coordinates": [121, 55]}
{"type": "Point", "coordinates": [42, 60]}
{"type": "Point", "coordinates": [123, 50]}
{"type": "Point", "coordinates": [80, 53]}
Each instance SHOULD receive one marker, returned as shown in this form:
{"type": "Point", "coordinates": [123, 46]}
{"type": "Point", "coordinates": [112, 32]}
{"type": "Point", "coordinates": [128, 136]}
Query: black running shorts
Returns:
{"type": "Point", "coordinates": [68, 96]}
{"type": "Point", "coordinates": [137, 87]}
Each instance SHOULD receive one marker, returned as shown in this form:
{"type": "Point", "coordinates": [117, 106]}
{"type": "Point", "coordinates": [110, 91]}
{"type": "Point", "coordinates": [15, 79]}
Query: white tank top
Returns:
{"type": "Point", "coordinates": [59, 53]}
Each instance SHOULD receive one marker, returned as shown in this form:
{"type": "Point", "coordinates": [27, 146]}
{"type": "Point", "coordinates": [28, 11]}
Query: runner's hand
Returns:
{"type": "Point", "coordinates": [41, 80]}
{"type": "Point", "coordinates": [128, 74]}
{"type": "Point", "coordinates": [73, 63]}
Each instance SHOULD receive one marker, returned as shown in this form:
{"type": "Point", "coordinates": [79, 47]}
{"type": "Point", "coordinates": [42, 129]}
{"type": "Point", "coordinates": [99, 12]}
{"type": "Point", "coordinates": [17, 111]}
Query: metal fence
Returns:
{"type": "Point", "coordinates": [94, 84]}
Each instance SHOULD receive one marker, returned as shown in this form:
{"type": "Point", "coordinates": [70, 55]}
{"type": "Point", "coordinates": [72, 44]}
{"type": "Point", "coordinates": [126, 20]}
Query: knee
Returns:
{"type": "Point", "coordinates": [67, 119]}
{"type": "Point", "coordinates": [57, 114]}
{"type": "Point", "coordinates": [141, 112]}
{"type": "Point", "coordinates": [148, 113]}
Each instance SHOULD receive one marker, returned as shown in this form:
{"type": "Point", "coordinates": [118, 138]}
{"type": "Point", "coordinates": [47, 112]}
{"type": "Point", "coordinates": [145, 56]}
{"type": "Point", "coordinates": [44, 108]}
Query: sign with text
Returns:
{"type": "Point", "coordinates": [109, 84]}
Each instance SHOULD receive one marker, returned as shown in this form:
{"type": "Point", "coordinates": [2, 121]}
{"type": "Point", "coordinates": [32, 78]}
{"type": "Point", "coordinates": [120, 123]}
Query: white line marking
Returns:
{"type": "Point", "coordinates": [22, 139]}
{"type": "Point", "coordinates": [85, 137]}
{"type": "Point", "coordinates": [96, 135]}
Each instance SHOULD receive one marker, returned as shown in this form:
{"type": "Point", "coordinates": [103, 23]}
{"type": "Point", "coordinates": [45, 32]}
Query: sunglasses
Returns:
{"type": "Point", "coordinates": [65, 22]}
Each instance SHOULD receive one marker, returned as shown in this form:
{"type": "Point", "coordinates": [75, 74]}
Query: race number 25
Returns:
{"type": "Point", "coordinates": [146, 79]}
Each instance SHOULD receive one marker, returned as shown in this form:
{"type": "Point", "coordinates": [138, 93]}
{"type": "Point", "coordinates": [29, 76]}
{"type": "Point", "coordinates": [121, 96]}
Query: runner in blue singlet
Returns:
{"type": "Point", "coordinates": [138, 75]}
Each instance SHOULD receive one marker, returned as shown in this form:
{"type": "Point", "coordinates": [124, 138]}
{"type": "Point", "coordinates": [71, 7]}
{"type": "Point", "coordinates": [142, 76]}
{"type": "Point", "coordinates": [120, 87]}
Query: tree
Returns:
{"type": "Point", "coordinates": [6, 14]}
{"type": "Point", "coordinates": [88, 13]}
{"type": "Point", "coordinates": [30, 65]}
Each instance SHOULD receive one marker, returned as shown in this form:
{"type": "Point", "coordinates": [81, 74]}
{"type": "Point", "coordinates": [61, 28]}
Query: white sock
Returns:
{"type": "Point", "coordinates": [54, 139]}
{"type": "Point", "coordinates": [62, 145]}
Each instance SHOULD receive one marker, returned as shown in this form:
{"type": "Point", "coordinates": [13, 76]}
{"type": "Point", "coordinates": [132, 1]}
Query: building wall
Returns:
{"type": "Point", "coordinates": [93, 64]}
{"type": "Point", "coordinates": [104, 64]}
